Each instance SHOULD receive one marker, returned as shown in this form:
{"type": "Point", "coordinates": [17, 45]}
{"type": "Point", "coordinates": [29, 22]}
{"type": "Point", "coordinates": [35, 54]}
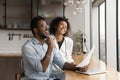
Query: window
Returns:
{"type": "Point", "coordinates": [102, 31]}
{"type": "Point", "coordinates": [118, 55]}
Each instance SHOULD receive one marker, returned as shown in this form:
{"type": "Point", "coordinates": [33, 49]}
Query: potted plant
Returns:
{"type": "Point", "coordinates": [77, 37]}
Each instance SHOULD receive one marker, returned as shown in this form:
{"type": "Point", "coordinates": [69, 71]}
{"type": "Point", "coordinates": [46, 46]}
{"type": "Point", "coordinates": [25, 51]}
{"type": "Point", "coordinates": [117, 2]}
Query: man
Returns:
{"type": "Point", "coordinates": [39, 53]}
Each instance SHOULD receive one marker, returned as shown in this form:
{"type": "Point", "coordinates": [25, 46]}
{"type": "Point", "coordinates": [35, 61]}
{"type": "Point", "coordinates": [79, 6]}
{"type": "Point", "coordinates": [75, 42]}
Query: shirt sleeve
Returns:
{"type": "Point", "coordinates": [57, 59]}
{"type": "Point", "coordinates": [69, 51]}
{"type": "Point", "coordinates": [31, 59]}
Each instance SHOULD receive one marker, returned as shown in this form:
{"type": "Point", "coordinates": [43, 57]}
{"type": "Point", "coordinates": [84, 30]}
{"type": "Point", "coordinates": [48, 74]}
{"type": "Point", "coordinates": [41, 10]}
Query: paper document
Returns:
{"type": "Point", "coordinates": [86, 60]}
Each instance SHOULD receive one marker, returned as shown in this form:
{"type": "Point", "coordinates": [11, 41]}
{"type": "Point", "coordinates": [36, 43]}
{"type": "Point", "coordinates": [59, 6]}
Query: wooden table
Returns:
{"type": "Point", "coordinates": [10, 55]}
{"type": "Point", "coordinates": [111, 73]}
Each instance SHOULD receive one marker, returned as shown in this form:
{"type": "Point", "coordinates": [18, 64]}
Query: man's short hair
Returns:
{"type": "Point", "coordinates": [34, 22]}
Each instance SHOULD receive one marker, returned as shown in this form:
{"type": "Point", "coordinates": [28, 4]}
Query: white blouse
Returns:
{"type": "Point", "coordinates": [65, 49]}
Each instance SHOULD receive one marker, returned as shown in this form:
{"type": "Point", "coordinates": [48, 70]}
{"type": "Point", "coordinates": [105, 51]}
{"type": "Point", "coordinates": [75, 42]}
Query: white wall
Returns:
{"type": "Point", "coordinates": [80, 21]}
{"type": "Point", "coordinates": [77, 21]}
{"type": "Point", "coordinates": [12, 46]}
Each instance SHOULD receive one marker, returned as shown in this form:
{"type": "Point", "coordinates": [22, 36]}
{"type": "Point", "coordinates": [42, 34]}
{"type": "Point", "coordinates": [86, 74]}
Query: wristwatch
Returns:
{"type": "Point", "coordinates": [77, 68]}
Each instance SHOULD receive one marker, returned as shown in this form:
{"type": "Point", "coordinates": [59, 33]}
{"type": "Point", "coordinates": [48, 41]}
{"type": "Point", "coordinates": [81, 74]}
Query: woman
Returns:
{"type": "Point", "coordinates": [59, 28]}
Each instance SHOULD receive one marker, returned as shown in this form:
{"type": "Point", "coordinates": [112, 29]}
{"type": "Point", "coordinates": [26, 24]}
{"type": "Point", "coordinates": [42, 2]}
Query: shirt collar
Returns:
{"type": "Point", "coordinates": [35, 41]}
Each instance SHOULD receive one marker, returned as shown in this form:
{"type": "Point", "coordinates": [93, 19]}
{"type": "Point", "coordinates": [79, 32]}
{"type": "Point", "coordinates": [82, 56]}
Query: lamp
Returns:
{"type": "Point", "coordinates": [79, 5]}
{"type": "Point", "coordinates": [67, 2]}
{"type": "Point", "coordinates": [84, 43]}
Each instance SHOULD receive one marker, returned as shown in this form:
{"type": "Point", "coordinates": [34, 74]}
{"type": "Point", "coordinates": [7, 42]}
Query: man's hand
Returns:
{"type": "Point", "coordinates": [68, 66]}
{"type": "Point", "coordinates": [83, 69]}
{"type": "Point", "coordinates": [50, 42]}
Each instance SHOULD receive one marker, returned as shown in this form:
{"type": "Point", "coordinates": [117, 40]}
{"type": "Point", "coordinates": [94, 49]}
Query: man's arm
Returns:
{"type": "Point", "coordinates": [46, 60]}
{"type": "Point", "coordinates": [68, 66]}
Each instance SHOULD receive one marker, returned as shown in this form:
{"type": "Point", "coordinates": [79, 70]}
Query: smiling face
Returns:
{"type": "Point", "coordinates": [42, 29]}
{"type": "Point", "coordinates": [61, 28]}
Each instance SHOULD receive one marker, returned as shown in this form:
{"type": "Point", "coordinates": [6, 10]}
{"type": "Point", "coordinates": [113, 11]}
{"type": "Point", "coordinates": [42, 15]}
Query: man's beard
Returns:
{"type": "Point", "coordinates": [42, 35]}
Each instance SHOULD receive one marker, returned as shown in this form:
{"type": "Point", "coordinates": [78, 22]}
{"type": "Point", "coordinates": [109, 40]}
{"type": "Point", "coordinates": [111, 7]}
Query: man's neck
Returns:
{"type": "Point", "coordinates": [39, 39]}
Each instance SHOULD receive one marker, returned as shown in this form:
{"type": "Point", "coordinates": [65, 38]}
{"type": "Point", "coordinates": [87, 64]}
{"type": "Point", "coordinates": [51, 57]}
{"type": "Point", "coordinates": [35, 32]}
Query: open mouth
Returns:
{"type": "Point", "coordinates": [47, 32]}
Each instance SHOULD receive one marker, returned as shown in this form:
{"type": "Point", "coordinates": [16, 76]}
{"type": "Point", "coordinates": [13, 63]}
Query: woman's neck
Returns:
{"type": "Point", "coordinates": [59, 37]}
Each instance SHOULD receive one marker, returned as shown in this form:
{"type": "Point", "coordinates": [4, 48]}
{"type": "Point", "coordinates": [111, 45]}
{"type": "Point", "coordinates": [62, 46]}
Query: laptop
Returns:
{"type": "Point", "coordinates": [92, 72]}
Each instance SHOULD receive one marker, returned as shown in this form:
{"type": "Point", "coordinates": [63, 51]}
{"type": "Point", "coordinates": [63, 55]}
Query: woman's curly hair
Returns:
{"type": "Point", "coordinates": [54, 25]}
